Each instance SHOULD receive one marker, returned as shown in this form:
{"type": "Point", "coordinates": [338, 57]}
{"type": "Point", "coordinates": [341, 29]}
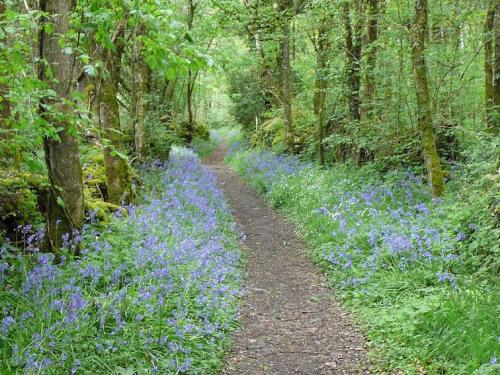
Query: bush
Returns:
{"type": "Point", "coordinates": [23, 199]}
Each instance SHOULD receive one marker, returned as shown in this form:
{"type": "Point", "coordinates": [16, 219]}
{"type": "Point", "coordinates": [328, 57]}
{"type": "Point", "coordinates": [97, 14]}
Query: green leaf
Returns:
{"type": "Point", "coordinates": [68, 51]}
{"type": "Point", "coordinates": [90, 70]}
{"type": "Point", "coordinates": [188, 37]}
{"type": "Point", "coordinates": [60, 202]}
{"type": "Point", "coordinates": [49, 28]}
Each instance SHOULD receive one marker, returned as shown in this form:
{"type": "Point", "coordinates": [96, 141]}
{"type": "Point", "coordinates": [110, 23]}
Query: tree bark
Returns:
{"type": "Point", "coordinates": [489, 89]}
{"type": "Point", "coordinates": [495, 126]}
{"type": "Point", "coordinates": [430, 154]}
{"type": "Point", "coordinates": [286, 79]}
{"type": "Point", "coordinates": [353, 54]}
{"type": "Point", "coordinates": [189, 98]}
{"type": "Point", "coordinates": [371, 60]}
{"type": "Point", "coordinates": [168, 96]}
{"type": "Point", "coordinates": [140, 91]}
{"type": "Point", "coordinates": [66, 201]}
{"type": "Point", "coordinates": [117, 171]}
{"type": "Point", "coordinates": [321, 84]}
{"type": "Point", "coordinates": [5, 107]}
{"type": "Point", "coordinates": [191, 78]}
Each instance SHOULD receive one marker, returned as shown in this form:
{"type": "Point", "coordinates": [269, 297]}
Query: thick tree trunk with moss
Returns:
{"type": "Point", "coordinates": [286, 74]}
{"type": "Point", "coordinates": [371, 58]}
{"type": "Point", "coordinates": [66, 202]}
{"type": "Point", "coordinates": [430, 154]}
{"type": "Point", "coordinates": [117, 171]}
{"type": "Point", "coordinates": [321, 84]}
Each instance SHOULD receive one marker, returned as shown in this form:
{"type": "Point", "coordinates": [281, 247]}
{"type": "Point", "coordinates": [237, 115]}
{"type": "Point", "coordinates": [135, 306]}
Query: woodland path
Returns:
{"type": "Point", "coordinates": [290, 324]}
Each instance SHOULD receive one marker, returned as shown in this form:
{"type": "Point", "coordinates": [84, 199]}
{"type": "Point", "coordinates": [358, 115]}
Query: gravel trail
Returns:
{"type": "Point", "coordinates": [290, 322]}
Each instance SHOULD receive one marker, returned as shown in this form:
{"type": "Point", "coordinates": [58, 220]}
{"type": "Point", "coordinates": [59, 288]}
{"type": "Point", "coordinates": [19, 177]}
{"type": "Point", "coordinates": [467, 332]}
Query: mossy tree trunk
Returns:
{"type": "Point", "coordinates": [430, 154]}
{"type": "Point", "coordinates": [139, 95]}
{"type": "Point", "coordinates": [321, 84]}
{"type": "Point", "coordinates": [66, 201]}
{"type": "Point", "coordinates": [286, 74]}
{"type": "Point", "coordinates": [117, 171]}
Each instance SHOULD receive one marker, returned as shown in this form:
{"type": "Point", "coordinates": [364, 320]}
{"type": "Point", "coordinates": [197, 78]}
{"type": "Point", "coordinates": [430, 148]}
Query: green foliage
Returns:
{"type": "Point", "coordinates": [161, 139]}
{"type": "Point", "coordinates": [201, 131]}
{"type": "Point", "coordinates": [247, 93]}
{"type": "Point", "coordinates": [23, 196]}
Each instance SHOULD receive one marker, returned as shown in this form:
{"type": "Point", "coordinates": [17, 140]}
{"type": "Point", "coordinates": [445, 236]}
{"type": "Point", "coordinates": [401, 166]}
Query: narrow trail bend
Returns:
{"type": "Point", "coordinates": [290, 323]}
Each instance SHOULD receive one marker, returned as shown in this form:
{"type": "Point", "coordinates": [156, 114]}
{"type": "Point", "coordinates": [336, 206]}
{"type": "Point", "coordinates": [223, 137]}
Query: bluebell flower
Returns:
{"type": "Point", "coordinates": [7, 323]}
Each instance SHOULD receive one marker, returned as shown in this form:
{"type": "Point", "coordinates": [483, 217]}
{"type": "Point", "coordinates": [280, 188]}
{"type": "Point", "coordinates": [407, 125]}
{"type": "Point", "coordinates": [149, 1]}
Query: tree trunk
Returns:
{"type": "Point", "coordinates": [168, 96]}
{"type": "Point", "coordinates": [371, 59]}
{"type": "Point", "coordinates": [5, 111]}
{"type": "Point", "coordinates": [495, 127]}
{"type": "Point", "coordinates": [431, 157]}
{"type": "Point", "coordinates": [140, 91]}
{"type": "Point", "coordinates": [66, 202]}
{"type": "Point", "coordinates": [489, 88]}
{"type": "Point", "coordinates": [353, 52]}
{"type": "Point", "coordinates": [286, 79]}
{"type": "Point", "coordinates": [191, 78]}
{"type": "Point", "coordinates": [189, 97]}
{"type": "Point", "coordinates": [321, 84]}
{"type": "Point", "coordinates": [117, 171]}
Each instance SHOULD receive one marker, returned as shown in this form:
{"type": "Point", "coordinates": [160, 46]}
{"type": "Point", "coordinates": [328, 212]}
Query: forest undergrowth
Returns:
{"type": "Point", "coordinates": [154, 292]}
{"type": "Point", "coordinates": [420, 272]}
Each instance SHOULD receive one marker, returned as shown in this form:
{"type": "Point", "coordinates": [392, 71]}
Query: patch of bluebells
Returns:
{"type": "Point", "coordinates": [158, 287]}
{"type": "Point", "coordinates": [263, 167]}
{"type": "Point", "coordinates": [374, 226]}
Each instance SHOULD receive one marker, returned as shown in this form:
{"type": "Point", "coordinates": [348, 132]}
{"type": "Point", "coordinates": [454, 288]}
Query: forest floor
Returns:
{"type": "Point", "coordinates": [290, 321]}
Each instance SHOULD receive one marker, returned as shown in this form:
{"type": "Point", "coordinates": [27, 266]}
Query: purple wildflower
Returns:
{"type": "Point", "coordinates": [7, 323]}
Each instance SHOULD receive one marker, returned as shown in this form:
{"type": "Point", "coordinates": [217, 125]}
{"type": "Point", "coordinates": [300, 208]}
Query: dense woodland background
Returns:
{"type": "Point", "coordinates": [93, 90]}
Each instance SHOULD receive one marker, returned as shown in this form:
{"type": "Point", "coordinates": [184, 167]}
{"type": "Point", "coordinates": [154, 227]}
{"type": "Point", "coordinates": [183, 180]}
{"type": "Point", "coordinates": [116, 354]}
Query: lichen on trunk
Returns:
{"type": "Point", "coordinates": [429, 149]}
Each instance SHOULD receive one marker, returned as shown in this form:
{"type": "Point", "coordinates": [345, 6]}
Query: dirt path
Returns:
{"type": "Point", "coordinates": [290, 324]}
